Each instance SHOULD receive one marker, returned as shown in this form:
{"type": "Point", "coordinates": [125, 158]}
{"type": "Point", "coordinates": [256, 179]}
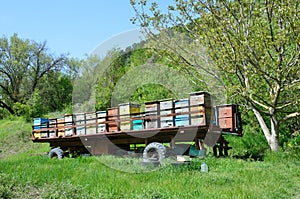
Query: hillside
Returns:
{"type": "Point", "coordinates": [26, 172]}
{"type": "Point", "coordinates": [15, 137]}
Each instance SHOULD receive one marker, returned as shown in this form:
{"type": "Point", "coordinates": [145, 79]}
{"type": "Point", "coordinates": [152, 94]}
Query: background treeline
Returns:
{"type": "Point", "coordinates": [35, 83]}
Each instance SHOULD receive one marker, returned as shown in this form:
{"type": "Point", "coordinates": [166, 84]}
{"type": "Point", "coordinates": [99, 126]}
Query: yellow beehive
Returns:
{"type": "Point", "coordinates": [126, 112]}
{"type": "Point", "coordinates": [61, 133]}
{"type": "Point", "coordinates": [37, 134]}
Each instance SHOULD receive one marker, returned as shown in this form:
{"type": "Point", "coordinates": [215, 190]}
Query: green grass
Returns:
{"type": "Point", "coordinates": [30, 174]}
{"type": "Point", "coordinates": [15, 138]}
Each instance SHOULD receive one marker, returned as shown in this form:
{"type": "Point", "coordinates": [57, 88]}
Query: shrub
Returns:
{"type": "Point", "coordinates": [252, 145]}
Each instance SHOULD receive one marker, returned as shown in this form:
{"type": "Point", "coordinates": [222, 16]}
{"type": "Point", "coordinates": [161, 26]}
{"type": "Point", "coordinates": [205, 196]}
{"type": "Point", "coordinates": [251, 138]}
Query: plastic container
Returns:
{"type": "Point", "coordinates": [204, 167]}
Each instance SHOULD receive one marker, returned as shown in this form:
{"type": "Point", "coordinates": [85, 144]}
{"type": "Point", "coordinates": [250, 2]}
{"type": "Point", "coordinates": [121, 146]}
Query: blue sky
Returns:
{"type": "Point", "coordinates": [69, 26]}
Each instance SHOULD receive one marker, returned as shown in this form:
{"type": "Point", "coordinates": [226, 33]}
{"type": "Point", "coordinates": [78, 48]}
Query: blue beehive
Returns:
{"type": "Point", "coordinates": [181, 120]}
{"type": "Point", "coordinates": [137, 124]}
{"type": "Point", "coordinates": [39, 123]}
{"type": "Point", "coordinates": [182, 106]}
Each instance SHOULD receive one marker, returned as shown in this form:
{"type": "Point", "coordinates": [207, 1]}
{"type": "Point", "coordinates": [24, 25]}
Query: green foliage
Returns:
{"type": "Point", "coordinates": [113, 69]}
{"type": "Point", "coordinates": [55, 94]}
{"type": "Point", "coordinates": [33, 108]}
{"type": "Point", "coordinates": [252, 145]}
{"type": "Point", "coordinates": [23, 65]}
{"type": "Point", "coordinates": [37, 107]}
{"type": "Point", "coordinates": [150, 92]}
{"type": "Point", "coordinates": [4, 113]}
{"type": "Point", "coordinates": [116, 65]}
{"type": "Point", "coordinates": [251, 49]}
{"type": "Point", "coordinates": [293, 143]}
{"type": "Point", "coordinates": [21, 109]}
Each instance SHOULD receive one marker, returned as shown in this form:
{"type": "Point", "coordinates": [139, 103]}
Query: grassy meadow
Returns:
{"type": "Point", "coordinates": [27, 172]}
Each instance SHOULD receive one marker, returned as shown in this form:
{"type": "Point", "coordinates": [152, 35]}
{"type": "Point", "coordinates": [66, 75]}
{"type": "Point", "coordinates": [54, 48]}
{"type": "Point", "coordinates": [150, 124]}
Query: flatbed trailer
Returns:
{"type": "Point", "coordinates": [122, 141]}
{"type": "Point", "coordinates": [98, 144]}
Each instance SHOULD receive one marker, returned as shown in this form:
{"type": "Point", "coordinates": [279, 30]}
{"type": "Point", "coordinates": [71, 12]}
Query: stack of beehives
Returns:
{"type": "Point", "coordinates": [195, 110]}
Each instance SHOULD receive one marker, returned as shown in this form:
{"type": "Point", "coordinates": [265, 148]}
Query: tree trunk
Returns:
{"type": "Point", "coordinates": [274, 140]}
{"type": "Point", "coordinates": [271, 136]}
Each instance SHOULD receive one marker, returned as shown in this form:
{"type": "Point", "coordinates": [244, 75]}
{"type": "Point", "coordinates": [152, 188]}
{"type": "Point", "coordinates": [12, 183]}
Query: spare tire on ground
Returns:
{"type": "Point", "coordinates": [154, 152]}
{"type": "Point", "coordinates": [56, 153]}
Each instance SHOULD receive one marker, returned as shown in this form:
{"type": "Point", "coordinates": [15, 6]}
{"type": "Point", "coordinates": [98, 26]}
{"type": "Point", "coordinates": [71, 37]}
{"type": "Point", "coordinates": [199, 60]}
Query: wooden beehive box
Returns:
{"type": "Point", "coordinates": [91, 123]}
{"type": "Point", "coordinates": [61, 127]}
{"type": "Point", "coordinates": [151, 115]}
{"type": "Point", "coordinates": [101, 121]}
{"type": "Point", "coordinates": [69, 120]}
{"type": "Point", "coordinates": [112, 119]}
{"type": "Point", "coordinates": [182, 106]}
{"type": "Point", "coordinates": [79, 119]}
{"type": "Point", "coordinates": [229, 118]}
{"type": "Point", "coordinates": [53, 128]}
{"type": "Point", "coordinates": [166, 107]}
{"type": "Point", "coordinates": [200, 108]}
{"type": "Point", "coordinates": [126, 112]}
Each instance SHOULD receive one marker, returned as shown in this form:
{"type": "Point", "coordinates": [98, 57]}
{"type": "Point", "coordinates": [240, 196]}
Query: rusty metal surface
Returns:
{"type": "Point", "coordinates": [164, 135]}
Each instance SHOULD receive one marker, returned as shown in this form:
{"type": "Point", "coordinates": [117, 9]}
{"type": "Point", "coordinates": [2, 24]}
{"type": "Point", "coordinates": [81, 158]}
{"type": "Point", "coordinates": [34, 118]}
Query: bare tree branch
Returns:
{"type": "Point", "coordinates": [292, 115]}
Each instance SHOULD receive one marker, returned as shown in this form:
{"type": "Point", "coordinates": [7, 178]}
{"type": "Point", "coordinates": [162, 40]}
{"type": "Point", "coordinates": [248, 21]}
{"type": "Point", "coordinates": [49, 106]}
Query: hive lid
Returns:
{"type": "Point", "coordinates": [112, 108]}
{"type": "Point", "coordinates": [165, 100]}
{"type": "Point", "coordinates": [129, 103]}
{"type": "Point", "coordinates": [152, 102]}
{"type": "Point", "coordinates": [184, 99]}
{"type": "Point", "coordinates": [199, 93]}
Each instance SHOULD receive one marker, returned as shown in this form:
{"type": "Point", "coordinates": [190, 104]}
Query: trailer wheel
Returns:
{"type": "Point", "coordinates": [154, 152]}
{"type": "Point", "coordinates": [56, 153]}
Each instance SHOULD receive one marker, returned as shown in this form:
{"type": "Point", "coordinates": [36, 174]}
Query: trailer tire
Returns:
{"type": "Point", "coordinates": [56, 153]}
{"type": "Point", "coordinates": [154, 152]}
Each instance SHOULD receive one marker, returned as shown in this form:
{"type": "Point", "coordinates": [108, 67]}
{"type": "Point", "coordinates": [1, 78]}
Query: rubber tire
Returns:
{"type": "Point", "coordinates": [56, 152]}
{"type": "Point", "coordinates": [158, 148]}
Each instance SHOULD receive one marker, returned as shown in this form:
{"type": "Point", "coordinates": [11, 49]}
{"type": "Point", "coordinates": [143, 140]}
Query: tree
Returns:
{"type": "Point", "coordinates": [23, 64]}
{"type": "Point", "coordinates": [117, 78]}
{"type": "Point", "coordinates": [84, 85]}
{"type": "Point", "coordinates": [253, 49]}
{"type": "Point", "coordinates": [55, 91]}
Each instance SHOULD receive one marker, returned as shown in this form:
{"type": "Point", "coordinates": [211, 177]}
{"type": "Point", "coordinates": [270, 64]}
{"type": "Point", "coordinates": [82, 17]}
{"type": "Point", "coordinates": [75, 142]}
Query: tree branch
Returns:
{"type": "Point", "coordinates": [259, 104]}
{"type": "Point", "coordinates": [4, 105]}
{"type": "Point", "coordinates": [287, 104]}
{"type": "Point", "coordinates": [292, 115]}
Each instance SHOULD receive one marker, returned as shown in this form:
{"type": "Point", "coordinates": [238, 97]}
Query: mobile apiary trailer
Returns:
{"type": "Point", "coordinates": [126, 128]}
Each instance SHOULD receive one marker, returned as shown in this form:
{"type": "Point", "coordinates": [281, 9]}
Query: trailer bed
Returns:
{"type": "Point", "coordinates": [119, 128]}
{"type": "Point", "coordinates": [109, 142]}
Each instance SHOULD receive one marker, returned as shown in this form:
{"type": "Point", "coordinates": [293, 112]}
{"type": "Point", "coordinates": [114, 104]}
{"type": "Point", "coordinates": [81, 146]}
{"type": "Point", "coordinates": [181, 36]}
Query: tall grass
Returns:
{"type": "Point", "coordinates": [276, 177]}
{"type": "Point", "coordinates": [30, 174]}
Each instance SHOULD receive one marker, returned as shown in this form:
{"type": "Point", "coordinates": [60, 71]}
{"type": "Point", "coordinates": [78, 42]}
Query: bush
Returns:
{"type": "Point", "coordinates": [252, 145]}
{"type": "Point", "coordinates": [293, 144]}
